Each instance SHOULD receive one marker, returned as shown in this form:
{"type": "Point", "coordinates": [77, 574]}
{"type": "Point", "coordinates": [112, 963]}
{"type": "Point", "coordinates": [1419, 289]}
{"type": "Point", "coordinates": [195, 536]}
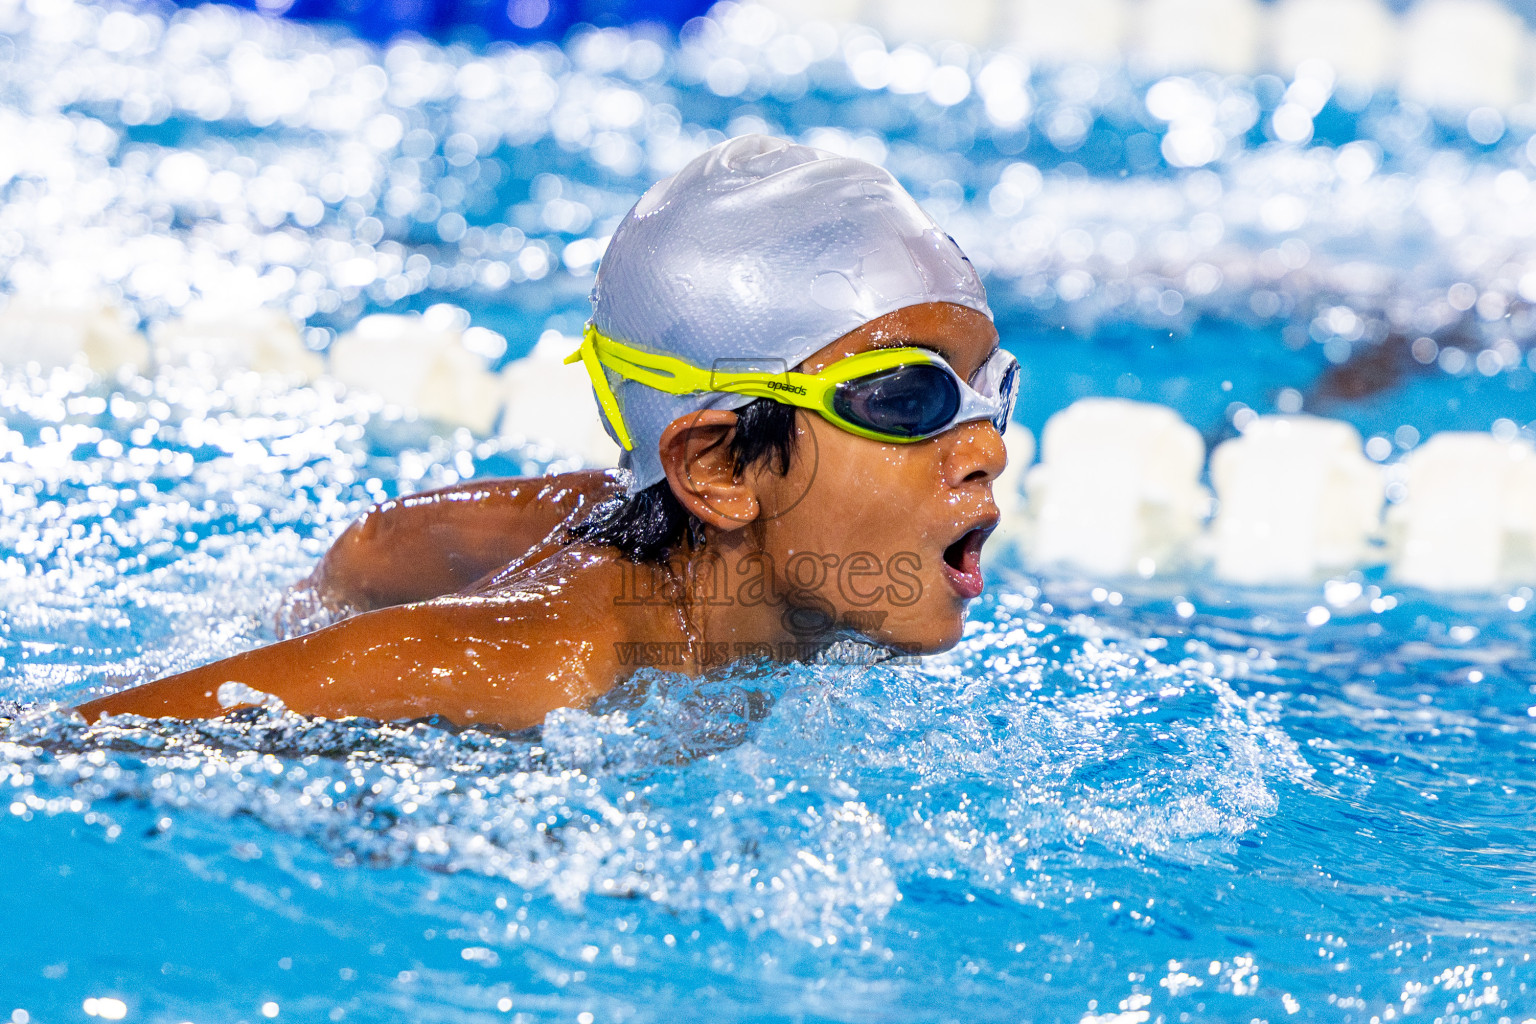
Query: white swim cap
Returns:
{"type": "Point", "coordinates": [761, 250]}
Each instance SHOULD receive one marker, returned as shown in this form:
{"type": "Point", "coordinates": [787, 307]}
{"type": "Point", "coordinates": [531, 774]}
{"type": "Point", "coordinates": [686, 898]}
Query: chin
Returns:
{"type": "Point", "coordinates": [931, 634]}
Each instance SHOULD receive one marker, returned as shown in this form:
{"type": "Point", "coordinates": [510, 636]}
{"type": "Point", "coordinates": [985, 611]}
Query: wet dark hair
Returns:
{"type": "Point", "coordinates": [646, 526]}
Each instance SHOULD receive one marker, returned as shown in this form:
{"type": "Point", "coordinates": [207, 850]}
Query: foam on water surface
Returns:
{"type": "Point", "coordinates": [840, 808]}
{"type": "Point", "coordinates": [1064, 808]}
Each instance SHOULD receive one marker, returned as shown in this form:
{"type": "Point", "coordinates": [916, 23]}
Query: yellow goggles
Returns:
{"type": "Point", "coordinates": [897, 395]}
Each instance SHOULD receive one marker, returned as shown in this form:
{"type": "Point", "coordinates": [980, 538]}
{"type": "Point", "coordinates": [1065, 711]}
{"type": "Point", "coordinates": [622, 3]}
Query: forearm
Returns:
{"type": "Point", "coordinates": [463, 662]}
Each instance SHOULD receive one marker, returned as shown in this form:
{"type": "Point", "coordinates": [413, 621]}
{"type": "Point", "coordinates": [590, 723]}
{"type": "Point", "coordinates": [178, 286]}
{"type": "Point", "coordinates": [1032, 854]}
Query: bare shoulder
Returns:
{"type": "Point", "coordinates": [595, 484]}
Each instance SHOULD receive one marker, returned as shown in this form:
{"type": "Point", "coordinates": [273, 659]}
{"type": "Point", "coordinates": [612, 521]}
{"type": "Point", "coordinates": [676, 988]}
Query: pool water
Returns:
{"type": "Point", "coordinates": [1119, 801]}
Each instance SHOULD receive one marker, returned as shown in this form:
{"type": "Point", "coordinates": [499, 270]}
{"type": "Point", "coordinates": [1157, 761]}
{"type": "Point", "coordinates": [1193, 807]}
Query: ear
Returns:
{"type": "Point", "coordinates": [696, 455]}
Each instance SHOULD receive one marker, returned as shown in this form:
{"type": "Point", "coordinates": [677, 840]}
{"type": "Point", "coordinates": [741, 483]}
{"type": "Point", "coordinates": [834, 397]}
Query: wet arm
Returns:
{"type": "Point", "coordinates": [470, 662]}
{"type": "Point", "coordinates": [439, 542]}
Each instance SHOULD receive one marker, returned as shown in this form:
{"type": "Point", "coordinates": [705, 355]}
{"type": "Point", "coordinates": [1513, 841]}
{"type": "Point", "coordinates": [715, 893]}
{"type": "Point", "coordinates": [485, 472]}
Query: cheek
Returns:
{"type": "Point", "coordinates": [862, 495]}
{"type": "Point", "coordinates": [888, 503]}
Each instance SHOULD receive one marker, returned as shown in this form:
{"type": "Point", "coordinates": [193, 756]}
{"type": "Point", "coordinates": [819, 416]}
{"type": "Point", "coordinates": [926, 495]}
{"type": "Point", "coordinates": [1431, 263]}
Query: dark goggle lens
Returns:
{"type": "Point", "coordinates": [908, 401]}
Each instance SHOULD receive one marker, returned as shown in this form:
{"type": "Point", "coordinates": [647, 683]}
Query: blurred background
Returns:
{"type": "Point", "coordinates": [1224, 208]}
{"type": "Point", "coordinates": [1316, 184]}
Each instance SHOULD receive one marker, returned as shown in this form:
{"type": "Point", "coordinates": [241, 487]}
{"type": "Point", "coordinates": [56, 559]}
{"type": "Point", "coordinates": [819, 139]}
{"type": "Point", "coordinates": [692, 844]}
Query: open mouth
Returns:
{"type": "Point", "coordinates": [962, 561]}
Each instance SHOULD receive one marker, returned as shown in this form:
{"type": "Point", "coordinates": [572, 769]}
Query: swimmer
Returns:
{"type": "Point", "coordinates": [804, 375]}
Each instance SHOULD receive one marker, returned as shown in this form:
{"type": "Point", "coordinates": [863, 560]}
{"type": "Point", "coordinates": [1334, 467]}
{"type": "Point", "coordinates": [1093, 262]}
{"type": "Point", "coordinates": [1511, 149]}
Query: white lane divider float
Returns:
{"type": "Point", "coordinates": [1468, 520]}
{"type": "Point", "coordinates": [1456, 55]}
{"type": "Point", "coordinates": [223, 340]}
{"type": "Point", "coordinates": [1117, 490]}
{"type": "Point", "coordinates": [1296, 498]}
{"type": "Point", "coordinates": [60, 332]}
{"type": "Point", "coordinates": [424, 361]}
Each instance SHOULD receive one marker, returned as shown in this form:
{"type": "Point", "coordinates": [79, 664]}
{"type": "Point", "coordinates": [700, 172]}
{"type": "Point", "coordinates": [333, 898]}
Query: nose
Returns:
{"type": "Point", "coordinates": [973, 453]}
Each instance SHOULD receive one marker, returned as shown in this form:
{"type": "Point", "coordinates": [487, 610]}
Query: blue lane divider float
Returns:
{"type": "Point", "coordinates": [521, 21]}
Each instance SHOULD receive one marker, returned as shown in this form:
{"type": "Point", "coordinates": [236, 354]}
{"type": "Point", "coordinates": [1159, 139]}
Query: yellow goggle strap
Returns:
{"type": "Point", "coordinates": [587, 353]}
{"type": "Point", "coordinates": [674, 376]}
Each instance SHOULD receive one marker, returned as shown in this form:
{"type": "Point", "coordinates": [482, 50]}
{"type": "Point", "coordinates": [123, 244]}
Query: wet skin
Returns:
{"type": "Point", "coordinates": [852, 538]}
{"type": "Point", "coordinates": [443, 541]}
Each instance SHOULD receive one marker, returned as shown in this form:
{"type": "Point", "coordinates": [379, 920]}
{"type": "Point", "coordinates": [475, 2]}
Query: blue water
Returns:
{"type": "Point", "coordinates": [1173, 800]}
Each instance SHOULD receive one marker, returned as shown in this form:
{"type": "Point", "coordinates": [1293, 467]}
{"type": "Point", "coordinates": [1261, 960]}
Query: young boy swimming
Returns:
{"type": "Point", "coordinates": [804, 374]}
